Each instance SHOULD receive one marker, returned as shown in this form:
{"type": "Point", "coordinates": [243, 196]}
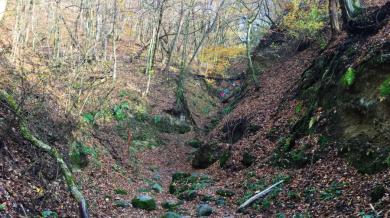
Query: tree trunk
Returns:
{"type": "Point", "coordinates": [174, 42]}
{"type": "Point", "coordinates": [3, 8]}
{"type": "Point", "coordinates": [334, 19]}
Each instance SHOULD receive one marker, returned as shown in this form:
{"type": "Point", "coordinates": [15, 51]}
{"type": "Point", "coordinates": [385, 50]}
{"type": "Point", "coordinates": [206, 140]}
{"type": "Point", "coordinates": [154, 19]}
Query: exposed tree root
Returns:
{"type": "Point", "coordinates": [27, 135]}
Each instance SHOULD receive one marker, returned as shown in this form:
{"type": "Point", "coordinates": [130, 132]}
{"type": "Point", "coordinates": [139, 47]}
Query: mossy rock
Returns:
{"type": "Point", "coordinates": [171, 214]}
{"type": "Point", "coordinates": [188, 195]}
{"type": "Point", "coordinates": [144, 202]}
{"type": "Point", "coordinates": [121, 203]}
{"type": "Point", "coordinates": [377, 193]}
{"type": "Point", "coordinates": [204, 210]}
{"type": "Point", "coordinates": [170, 205]}
{"type": "Point", "coordinates": [220, 201]}
{"type": "Point", "coordinates": [157, 188]}
{"type": "Point", "coordinates": [225, 193]}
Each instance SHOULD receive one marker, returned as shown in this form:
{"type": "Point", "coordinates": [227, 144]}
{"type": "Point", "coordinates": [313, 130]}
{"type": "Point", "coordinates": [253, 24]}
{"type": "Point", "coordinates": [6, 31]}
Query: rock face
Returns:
{"type": "Point", "coordinates": [144, 202]}
{"type": "Point", "coordinates": [351, 105]}
{"type": "Point", "coordinates": [204, 210]}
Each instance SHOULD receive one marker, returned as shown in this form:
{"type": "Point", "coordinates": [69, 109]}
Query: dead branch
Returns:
{"type": "Point", "coordinates": [258, 195]}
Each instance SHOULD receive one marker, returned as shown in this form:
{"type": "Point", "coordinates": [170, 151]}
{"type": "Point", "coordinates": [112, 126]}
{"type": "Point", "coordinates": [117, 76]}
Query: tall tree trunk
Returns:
{"type": "Point", "coordinates": [3, 8]}
{"type": "Point", "coordinates": [174, 42]}
{"type": "Point", "coordinates": [153, 45]}
{"type": "Point", "coordinates": [249, 48]}
{"type": "Point", "coordinates": [334, 19]}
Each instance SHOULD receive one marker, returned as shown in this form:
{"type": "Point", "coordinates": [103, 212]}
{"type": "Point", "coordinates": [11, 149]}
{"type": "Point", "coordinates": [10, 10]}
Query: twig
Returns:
{"type": "Point", "coordinates": [24, 211]}
{"type": "Point", "coordinates": [258, 195]}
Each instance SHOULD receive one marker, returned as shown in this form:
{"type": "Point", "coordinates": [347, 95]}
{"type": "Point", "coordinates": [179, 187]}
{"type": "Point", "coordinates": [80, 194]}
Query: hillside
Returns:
{"type": "Point", "coordinates": [186, 113]}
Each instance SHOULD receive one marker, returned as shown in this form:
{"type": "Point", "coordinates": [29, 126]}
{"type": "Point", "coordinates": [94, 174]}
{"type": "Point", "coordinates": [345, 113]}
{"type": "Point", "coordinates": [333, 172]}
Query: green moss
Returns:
{"type": "Point", "coordinates": [144, 202]}
{"type": "Point", "coordinates": [179, 176]}
{"type": "Point", "coordinates": [170, 205]}
{"type": "Point", "coordinates": [195, 143]}
{"type": "Point", "coordinates": [384, 89]}
{"type": "Point", "coordinates": [185, 185]}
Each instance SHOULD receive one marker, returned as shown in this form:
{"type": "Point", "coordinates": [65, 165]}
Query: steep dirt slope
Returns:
{"type": "Point", "coordinates": [328, 138]}
{"type": "Point", "coordinates": [30, 180]}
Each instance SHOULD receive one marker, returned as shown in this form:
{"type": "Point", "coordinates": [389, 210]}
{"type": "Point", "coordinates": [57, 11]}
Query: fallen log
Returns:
{"type": "Point", "coordinates": [258, 195]}
{"type": "Point", "coordinates": [27, 135]}
{"type": "Point", "coordinates": [198, 76]}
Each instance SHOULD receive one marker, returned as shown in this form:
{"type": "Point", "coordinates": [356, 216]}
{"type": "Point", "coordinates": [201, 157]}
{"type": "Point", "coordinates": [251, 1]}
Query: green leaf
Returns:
{"type": "Point", "coordinates": [119, 114]}
{"type": "Point", "coordinates": [89, 118]}
{"type": "Point", "coordinates": [2, 207]}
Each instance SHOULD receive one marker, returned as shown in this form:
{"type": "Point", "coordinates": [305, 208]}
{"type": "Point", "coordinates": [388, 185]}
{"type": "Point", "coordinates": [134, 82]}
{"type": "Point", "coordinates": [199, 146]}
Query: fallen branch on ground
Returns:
{"type": "Point", "coordinates": [258, 195]}
{"type": "Point", "coordinates": [27, 135]}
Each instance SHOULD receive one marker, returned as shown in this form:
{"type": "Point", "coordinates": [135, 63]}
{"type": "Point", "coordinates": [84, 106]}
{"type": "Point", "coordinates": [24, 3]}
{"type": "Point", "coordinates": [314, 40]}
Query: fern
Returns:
{"type": "Point", "coordinates": [349, 77]}
{"type": "Point", "coordinates": [384, 89]}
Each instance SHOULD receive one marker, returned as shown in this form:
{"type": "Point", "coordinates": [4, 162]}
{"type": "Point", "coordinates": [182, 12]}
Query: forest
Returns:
{"type": "Point", "coordinates": [194, 108]}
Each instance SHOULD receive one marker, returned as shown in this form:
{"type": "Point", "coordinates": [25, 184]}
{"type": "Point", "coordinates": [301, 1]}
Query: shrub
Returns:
{"type": "Point", "coordinates": [304, 19]}
{"type": "Point", "coordinates": [79, 154]}
{"type": "Point", "coordinates": [217, 58]}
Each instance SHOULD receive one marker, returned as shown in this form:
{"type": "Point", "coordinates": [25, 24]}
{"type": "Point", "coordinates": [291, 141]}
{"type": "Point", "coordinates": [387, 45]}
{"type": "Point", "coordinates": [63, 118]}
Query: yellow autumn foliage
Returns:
{"type": "Point", "coordinates": [305, 18]}
{"type": "Point", "coordinates": [217, 58]}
